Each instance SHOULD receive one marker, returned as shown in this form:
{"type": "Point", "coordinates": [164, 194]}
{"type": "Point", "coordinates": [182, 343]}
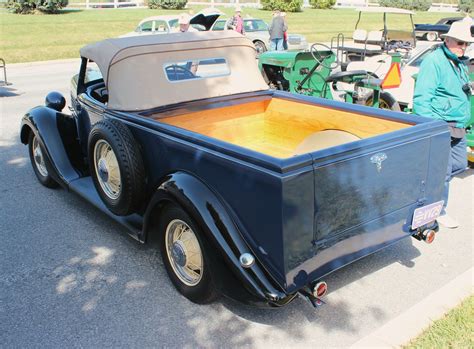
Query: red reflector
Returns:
{"type": "Point", "coordinates": [429, 236]}
{"type": "Point", "coordinates": [320, 289]}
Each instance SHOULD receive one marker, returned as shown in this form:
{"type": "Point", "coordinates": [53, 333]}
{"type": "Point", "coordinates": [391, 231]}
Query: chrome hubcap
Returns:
{"type": "Point", "coordinates": [107, 169]}
{"type": "Point", "coordinates": [184, 252]}
{"type": "Point", "coordinates": [38, 157]}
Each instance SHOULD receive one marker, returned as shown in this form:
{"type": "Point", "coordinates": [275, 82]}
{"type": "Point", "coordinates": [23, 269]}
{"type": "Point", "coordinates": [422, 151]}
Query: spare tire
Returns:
{"type": "Point", "coordinates": [116, 166]}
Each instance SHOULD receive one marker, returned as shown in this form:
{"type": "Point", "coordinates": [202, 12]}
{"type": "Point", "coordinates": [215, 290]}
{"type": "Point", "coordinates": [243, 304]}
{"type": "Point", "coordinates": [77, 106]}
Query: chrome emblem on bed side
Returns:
{"type": "Point", "coordinates": [377, 160]}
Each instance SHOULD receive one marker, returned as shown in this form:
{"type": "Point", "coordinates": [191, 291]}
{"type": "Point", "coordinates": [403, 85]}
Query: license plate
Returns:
{"type": "Point", "coordinates": [426, 214]}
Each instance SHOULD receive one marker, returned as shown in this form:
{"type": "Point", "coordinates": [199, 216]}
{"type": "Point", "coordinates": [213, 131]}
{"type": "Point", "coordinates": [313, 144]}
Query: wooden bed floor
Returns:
{"type": "Point", "coordinates": [278, 127]}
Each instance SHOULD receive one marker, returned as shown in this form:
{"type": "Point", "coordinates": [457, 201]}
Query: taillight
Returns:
{"type": "Point", "coordinates": [320, 289]}
{"type": "Point", "coordinates": [428, 236]}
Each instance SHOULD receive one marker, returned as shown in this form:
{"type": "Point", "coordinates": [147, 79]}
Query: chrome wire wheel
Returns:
{"type": "Point", "coordinates": [107, 169]}
{"type": "Point", "coordinates": [184, 252]}
{"type": "Point", "coordinates": [260, 47]}
{"type": "Point", "coordinates": [432, 36]}
{"type": "Point", "coordinates": [39, 158]}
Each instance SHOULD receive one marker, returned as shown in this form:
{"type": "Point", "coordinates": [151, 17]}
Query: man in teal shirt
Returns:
{"type": "Point", "coordinates": [443, 92]}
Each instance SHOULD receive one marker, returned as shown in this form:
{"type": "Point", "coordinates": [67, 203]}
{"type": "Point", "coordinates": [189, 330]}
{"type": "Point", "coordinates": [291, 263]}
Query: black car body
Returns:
{"type": "Point", "coordinates": [227, 173]}
{"type": "Point", "coordinates": [432, 32]}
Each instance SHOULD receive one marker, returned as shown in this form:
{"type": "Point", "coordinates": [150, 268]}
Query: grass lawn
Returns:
{"type": "Point", "coordinates": [455, 330]}
{"type": "Point", "coordinates": [26, 38]}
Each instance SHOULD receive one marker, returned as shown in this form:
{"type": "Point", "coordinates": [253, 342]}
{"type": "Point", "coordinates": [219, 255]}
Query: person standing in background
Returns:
{"type": "Point", "coordinates": [236, 22]}
{"type": "Point", "coordinates": [442, 91]}
{"type": "Point", "coordinates": [285, 34]}
{"type": "Point", "coordinates": [277, 29]}
{"type": "Point", "coordinates": [184, 23]}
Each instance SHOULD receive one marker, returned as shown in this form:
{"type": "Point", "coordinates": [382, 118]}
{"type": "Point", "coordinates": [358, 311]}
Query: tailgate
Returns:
{"type": "Point", "coordinates": [364, 199]}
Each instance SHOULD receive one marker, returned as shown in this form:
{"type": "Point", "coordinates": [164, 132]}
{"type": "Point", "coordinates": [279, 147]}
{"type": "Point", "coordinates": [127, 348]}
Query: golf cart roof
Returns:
{"type": "Point", "coordinates": [385, 10]}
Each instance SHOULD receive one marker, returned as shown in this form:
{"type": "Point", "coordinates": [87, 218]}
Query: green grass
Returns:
{"type": "Point", "coordinates": [26, 38]}
{"type": "Point", "coordinates": [455, 330]}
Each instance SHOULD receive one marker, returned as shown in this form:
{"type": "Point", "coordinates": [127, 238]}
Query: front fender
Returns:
{"type": "Point", "coordinates": [43, 121]}
{"type": "Point", "coordinates": [211, 214]}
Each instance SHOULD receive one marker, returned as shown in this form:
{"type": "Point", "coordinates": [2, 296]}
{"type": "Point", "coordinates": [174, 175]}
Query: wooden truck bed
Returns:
{"type": "Point", "coordinates": [283, 128]}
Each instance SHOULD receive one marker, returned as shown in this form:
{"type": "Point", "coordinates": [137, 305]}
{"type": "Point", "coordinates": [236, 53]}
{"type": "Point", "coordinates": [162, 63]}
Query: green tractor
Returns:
{"type": "Point", "coordinates": [318, 73]}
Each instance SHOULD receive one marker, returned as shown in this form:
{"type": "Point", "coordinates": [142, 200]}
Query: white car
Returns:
{"type": "Point", "coordinates": [380, 66]}
{"type": "Point", "coordinates": [257, 31]}
{"type": "Point", "coordinates": [203, 20]}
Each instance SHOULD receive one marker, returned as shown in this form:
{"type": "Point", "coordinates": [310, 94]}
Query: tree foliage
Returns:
{"type": "Point", "coordinates": [282, 5]}
{"type": "Point", "coordinates": [167, 4]}
{"type": "Point", "coordinates": [416, 5]}
{"type": "Point", "coordinates": [31, 6]}
{"type": "Point", "coordinates": [466, 5]}
{"type": "Point", "coordinates": [322, 4]}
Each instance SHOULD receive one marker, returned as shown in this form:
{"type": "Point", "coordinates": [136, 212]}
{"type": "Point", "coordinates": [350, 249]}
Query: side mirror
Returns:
{"type": "Point", "coordinates": [55, 100]}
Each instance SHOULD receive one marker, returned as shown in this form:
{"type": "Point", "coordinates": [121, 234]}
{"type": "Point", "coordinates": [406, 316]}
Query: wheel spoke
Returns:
{"type": "Point", "coordinates": [193, 272]}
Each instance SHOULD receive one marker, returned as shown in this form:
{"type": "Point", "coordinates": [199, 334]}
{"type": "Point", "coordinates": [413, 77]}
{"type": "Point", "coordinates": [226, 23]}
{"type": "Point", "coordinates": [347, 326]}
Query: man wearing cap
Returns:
{"type": "Point", "coordinates": [236, 22]}
{"type": "Point", "coordinates": [277, 29]}
{"type": "Point", "coordinates": [184, 23]}
{"type": "Point", "coordinates": [442, 91]}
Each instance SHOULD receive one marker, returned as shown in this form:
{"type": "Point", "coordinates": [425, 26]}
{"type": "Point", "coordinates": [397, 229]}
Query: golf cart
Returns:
{"type": "Point", "coordinates": [368, 43]}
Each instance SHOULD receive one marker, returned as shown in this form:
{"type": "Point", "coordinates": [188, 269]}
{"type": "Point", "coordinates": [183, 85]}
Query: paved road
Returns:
{"type": "Point", "coordinates": [71, 277]}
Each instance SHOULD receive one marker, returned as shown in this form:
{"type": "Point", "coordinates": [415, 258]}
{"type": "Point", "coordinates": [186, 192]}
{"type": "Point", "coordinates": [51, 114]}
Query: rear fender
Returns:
{"type": "Point", "coordinates": [213, 217]}
{"type": "Point", "coordinates": [45, 123]}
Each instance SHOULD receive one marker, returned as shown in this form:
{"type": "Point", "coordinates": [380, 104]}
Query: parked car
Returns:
{"type": "Point", "coordinates": [432, 32]}
{"type": "Point", "coordinates": [203, 20]}
{"type": "Point", "coordinates": [257, 31]}
{"type": "Point", "coordinates": [252, 192]}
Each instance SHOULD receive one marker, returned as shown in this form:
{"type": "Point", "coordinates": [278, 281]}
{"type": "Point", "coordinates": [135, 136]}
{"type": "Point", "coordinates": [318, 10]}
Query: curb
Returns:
{"type": "Point", "coordinates": [407, 326]}
{"type": "Point", "coordinates": [54, 61]}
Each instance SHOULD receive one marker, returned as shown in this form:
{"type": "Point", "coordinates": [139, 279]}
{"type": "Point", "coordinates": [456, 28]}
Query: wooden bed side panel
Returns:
{"type": "Point", "coordinates": [316, 118]}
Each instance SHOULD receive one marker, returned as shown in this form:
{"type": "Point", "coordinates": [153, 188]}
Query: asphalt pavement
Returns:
{"type": "Point", "coordinates": [71, 277]}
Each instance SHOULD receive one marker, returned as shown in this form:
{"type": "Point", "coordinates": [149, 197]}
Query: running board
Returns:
{"type": "Point", "coordinates": [85, 188]}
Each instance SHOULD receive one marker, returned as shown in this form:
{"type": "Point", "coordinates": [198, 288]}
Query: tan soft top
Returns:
{"type": "Point", "coordinates": [132, 67]}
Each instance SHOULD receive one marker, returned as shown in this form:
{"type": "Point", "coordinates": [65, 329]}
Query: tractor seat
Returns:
{"type": "Point", "coordinates": [345, 76]}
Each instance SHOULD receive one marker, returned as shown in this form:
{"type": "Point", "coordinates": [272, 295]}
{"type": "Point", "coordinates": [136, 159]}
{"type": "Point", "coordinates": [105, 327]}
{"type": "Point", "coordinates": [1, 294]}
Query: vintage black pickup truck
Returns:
{"type": "Point", "coordinates": [254, 193]}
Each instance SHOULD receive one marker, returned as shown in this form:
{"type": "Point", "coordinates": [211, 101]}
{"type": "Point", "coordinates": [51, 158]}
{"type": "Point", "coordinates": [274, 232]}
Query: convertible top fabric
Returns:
{"type": "Point", "coordinates": [132, 67]}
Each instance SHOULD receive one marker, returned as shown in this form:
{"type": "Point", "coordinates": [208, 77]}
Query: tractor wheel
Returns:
{"type": "Point", "coordinates": [386, 101]}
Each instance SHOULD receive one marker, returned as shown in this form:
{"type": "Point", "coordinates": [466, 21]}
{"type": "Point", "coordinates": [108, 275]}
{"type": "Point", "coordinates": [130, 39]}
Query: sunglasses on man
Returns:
{"type": "Point", "coordinates": [461, 43]}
